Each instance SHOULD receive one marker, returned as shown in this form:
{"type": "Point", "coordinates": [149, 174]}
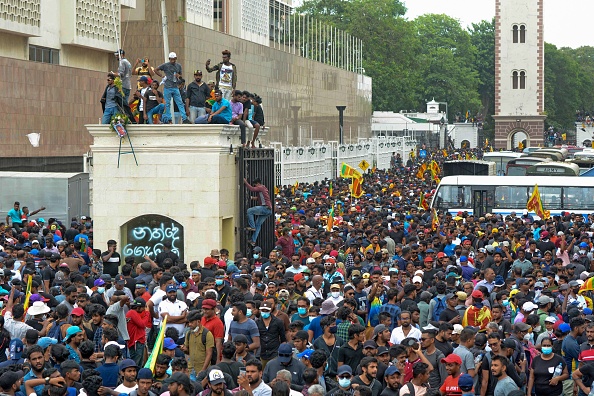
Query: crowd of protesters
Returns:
{"type": "Point", "coordinates": [384, 300]}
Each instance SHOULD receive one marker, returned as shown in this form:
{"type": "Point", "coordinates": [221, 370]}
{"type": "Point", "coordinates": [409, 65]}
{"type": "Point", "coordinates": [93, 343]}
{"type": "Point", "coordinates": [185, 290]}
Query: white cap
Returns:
{"type": "Point", "coordinates": [192, 296]}
{"type": "Point", "coordinates": [172, 55]}
{"type": "Point", "coordinates": [417, 279]}
{"type": "Point", "coordinates": [114, 343]}
{"type": "Point", "coordinates": [529, 306]}
{"type": "Point", "coordinates": [310, 260]}
{"type": "Point", "coordinates": [417, 272]}
{"type": "Point", "coordinates": [551, 319]}
{"type": "Point", "coordinates": [457, 329]}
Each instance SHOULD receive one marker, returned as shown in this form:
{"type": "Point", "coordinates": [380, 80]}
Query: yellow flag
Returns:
{"type": "Point", "coordinates": [28, 293]}
{"type": "Point", "coordinates": [276, 190]}
{"type": "Point", "coordinates": [364, 165]}
{"type": "Point", "coordinates": [158, 348]}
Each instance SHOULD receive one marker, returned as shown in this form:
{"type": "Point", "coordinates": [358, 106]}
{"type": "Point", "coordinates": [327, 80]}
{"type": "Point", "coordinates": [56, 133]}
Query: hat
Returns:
{"type": "Point", "coordinates": [544, 234]}
{"type": "Point", "coordinates": [285, 353]}
{"type": "Point", "coordinates": [114, 343]}
{"type": "Point", "coordinates": [419, 272]}
{"type": "Point", "coordinates": [452, 358]}
{"type": "Point", "coordinates": [44, 342]}
{"type": "Point", "coordinates": [465, 381]}
{"type": "Point", "coordinates": [328, 307]}
{"type": "Point", "coordinates": [144, 373]}
{"type": "Point", "coordinates": [543, 300]}
{"type": "Point", "coordinates": [120, 279]}
{"type": "Point", "coordinates": [453, 275]}
{"type": "Point", "coordinates": [240, 338]}
{"type": "Point", "coordinates": [417, 279]}
{"type": "Point", "coordinates": [529, 306]}
{"type": "Point", "coordinates": [521, 326]}
{"type": "Point", "coordinates": [16, 349]}
{"type": "Point", "coordinates": [141, 285]}
{"type": "Point", "coordinates": [179, 378]}
{"type": "Point", "coordinates": [106, 278]}
{"type": "Point", "coordinates": [462, 296]}
{"type": "Point", "coordinates": [9, 378]}
{"type": "Point", "coordinates": [127, 363]}
{"type": "Point", "coordinates": [369, 344]}
{"type": "Point", "coordinates": [78, 312]}
{"type": "Point", "coordinates": [539, 284]}
{"type": "Point", "coordinates": [266, 305]}
{"type": "Point", "coordinates": [564, 328]}
{"type": "Point", "coordinates": [169, 344]}
{"type": "Point", "coordinates": [477, 294]}
{"type": "Point", "coordinates": [378, 329]}
{"type": "Point", "coordinates": [564, 286]}
{"type": "Point", "coordinates": [99, 282]}
{"type": "Point", "coordinates": [457, 329]}
{"type": "Point", "coordinates": [216, 377]}
{"type": "Point", "coordinates": [306, 354]}
{"type": "Point", "coordinates": [315, 255]}
{"type": "Point", "coordinates": [345, 369]}
{"type": "Point", "coordinates": [72, 330]}
{"type": "Point", "coordinates": [381, 350]}
{"type": "Point", "coordinates": [171, 288]}
{"type": "Point", "coordinates": [463, 259]}
{"type": "Point", "coordinates": [143, 78]}
{"type": "Point", "coordinates": [551, 319]}
{"type": "Point", "coordinates": [38, 308]}
{"type": "Point", "coordinates": [441, 255]}
{"type": "Point", "coordinates": [192, 296]}
{"type": "Point", "coordinates": [573, 283]}
{"type": "Point", "coordinates": [508, 343]}
{"type": "Point", "coordinates": [209, 303]}
{"type": "Point", "coordinates": [391, 370]}
{"type": "Point", "coordinates": [172, 55]}
{"type": "Point", "coordinates": [138, 302]}
{"type": "Point", "coordinates": [298, 277]}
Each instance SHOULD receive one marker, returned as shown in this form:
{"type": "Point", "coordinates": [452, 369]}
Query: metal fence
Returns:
{"type": "Point", "coordinates": [308, 164]}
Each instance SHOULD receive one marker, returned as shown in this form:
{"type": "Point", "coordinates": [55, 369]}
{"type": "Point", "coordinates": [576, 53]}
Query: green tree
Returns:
{"type": "Point", "coordinates": [482, 36]}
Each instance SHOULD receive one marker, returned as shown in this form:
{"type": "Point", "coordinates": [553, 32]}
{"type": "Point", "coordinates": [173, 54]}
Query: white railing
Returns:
{"type": "Point", "coordinates": [308, 164]}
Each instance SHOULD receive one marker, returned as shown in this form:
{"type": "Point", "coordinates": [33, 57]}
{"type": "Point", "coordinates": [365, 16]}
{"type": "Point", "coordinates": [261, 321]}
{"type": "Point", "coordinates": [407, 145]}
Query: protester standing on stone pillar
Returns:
{"type": "Point", "coordinates": [226, 78]}
{"type": "Point", "coordinates": [173, 73]}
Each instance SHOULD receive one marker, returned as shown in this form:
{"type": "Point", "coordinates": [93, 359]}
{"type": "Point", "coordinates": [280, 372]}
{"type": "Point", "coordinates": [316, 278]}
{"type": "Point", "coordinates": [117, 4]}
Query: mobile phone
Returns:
{"type": "Point", "coordinates": [242, 371]}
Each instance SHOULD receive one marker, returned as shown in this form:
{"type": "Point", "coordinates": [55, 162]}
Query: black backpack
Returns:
{"type": "Point", "coordinates": [213, 358]}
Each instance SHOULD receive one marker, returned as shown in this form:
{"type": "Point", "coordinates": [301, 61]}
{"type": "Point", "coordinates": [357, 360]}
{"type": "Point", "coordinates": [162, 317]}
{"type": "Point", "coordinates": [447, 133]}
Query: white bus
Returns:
{"type": "Point", "coordinates": [501, 158]}
{"type": "Point", "coordinates": [488, 194]}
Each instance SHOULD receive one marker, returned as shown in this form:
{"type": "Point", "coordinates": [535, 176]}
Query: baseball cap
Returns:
{"type": "Point", "coordinates": [209, 303]}
{"type": "Point", "coordinates": [529, 306]}
{"type": "Point", "coordinates": [9, 378]}
{"type": "Point", "coordinates": [452, 358]}
{"type": "Point", "coordinates": [551, 319]}
{"type": "Point", "coordinates": [344, 369]}
{"type": "Point", "coordinates": [391, 370]}
{"type": "Point", "coordinates": [144, 373]}
{"type": "Point", "coordinates": [171, 288]}
{"type": "Point", "coordinates": [120, 279]}
{"type": "Point", "coordinates": [266, 306]}
{"type": "Point", "coordinates": [378, 329]}
{"type": "Point", "coordinates": [465, 382]}
{"type": "Point", "coordinates": [508, 343]}
{"type": "Point", "coordinates": [72, 330]}
{"type": "Point", "coordinates": [564, 328]}
{"type": "Point", "coordinates": [457, 329]}
{"type": "Point", "coordinates": [216, 377]}
{"type": "Point", "coordinates": [138, 302]}
{"type": "Point", "coordinates": [240, 338]}
{"type": "Point", "coordinates": [169, 344]}
{"type": "Point", "coordinates": [143, 78]}
{"type": "Point", "coordinates": [381, 350]}
{"type": "Point", "coordinates": [521, 326]}
{"type": "Point", "coordinates": [369, 344]}
{"type": "Point", "coordinates": [78, 312]}
{"type": "Point", "coordinates": [99, 282]}
{"type": "Point", "coordinates": [44, 342]}
{"type": "Point", "coordinates": [179, 378]}
{"type": "Point", "coordinates": [477, 294]}
{"type": "Point", "coordinates": [172, 55]}
{"type": "Point", "coordinates": [285, 353]}
{"type": "Point", "coordinates": [306, 354]}
{"type": "Point", "coordinates": [127, 363]}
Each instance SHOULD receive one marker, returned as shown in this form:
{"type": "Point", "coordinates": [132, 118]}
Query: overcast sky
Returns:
{"type": "Point", "coordinates": [567, 22]}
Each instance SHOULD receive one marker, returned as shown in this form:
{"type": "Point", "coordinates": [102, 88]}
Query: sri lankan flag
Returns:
{"type": "Point", "coordinates": [158, 348]}
{"type": "Point", "coordinates": [421, 171]}
{"type": "Point", "coordinates": [330, 189]}
{"type": "Point", "coordinates": [477, 317]}
{"type": "Point", "coordinates": [587, 286]}
{"type": "Point", "coordinates": [434, 220]}
{"type": "Point", "coordinates": [28, 293]}
{"type": "Point", "coordinates": [330, 222]}
{"type": "Point", "coordinates": [534, 204]}
{"type": "Point", "coordinates": [357, 188]}
{"type": "Point", "coordinates": [349, 171]}
{"type": "Point", "coordinates": [423, 203]}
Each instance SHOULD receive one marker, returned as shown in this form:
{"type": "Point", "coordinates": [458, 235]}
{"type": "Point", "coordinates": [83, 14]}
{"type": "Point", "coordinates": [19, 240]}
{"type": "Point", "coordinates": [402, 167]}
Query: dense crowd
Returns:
{"type": "Point", "coordinates": [370, 296]}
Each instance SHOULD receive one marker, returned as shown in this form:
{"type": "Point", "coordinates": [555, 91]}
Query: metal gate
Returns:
{"type": "Point", "coordinates": [256, 163]}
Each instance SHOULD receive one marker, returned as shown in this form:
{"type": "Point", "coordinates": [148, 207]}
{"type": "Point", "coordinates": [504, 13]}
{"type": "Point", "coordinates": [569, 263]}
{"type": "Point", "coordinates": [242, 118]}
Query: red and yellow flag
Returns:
{"type": "Point", "coordinates": [421, 171]}
{"type": "Point", "coordinates": [534, 204]}
{"type": "Point", "coordinates": [477, 317]}
{"type": "Point", "coordinates": [357, 188]}
{"type": "Point", "coordinates": [330, 189]}
{"type": "Point", "coordinates": [423, 203]}
{"type": "Point", "coordinates": [434, 220]}
{"type": "Point", "coordinates": [330, 222]}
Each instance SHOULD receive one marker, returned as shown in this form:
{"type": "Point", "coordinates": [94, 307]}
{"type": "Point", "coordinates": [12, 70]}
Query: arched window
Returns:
{"type": "Point", "coordinates": [522, 34]}
{"type": "Point", "coordinates": [515, 33]}
{"type": "Point", "coordinates": [515, 80]}
{"type": "Point", "coordinates": [522, 80]}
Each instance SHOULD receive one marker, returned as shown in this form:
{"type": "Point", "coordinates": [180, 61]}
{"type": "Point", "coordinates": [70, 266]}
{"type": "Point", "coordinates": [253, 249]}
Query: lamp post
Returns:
{"type": "Point", "coordinates": [340, 123]}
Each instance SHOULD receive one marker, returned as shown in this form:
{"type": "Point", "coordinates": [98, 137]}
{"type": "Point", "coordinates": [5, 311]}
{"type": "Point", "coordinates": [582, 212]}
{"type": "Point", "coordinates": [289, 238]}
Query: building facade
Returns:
{"type": "Point", "coordinates": [55, 55]}
{"type": "Point", "coordinates": [519, 73]}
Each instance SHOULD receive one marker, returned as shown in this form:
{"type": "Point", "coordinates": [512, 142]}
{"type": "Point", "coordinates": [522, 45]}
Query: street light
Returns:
{"type": "Point", "coordinates": [340, 123]}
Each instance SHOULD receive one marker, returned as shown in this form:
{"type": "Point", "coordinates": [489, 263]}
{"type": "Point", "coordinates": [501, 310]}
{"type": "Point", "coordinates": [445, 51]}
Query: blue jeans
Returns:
{"type": "Point", "coordinates": [256, 216]}
{"type": "Point", "coordinates": [107, 114]}
{"type": "Point", "coordinates": [168, 93]}
{"type": "Point", "coordinates": [126, 94]}
{"type": "Point", "coordinates": [196, 112]}
{"type": "Point", "coordinates": [218, 119]}
{"type": "Point", "coordinates": [155, 110]}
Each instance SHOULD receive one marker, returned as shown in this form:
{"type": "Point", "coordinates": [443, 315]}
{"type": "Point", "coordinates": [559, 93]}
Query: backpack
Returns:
{"type": "Point", "coordinates": [438, 307]}
{"type": "Point", "coordinates": [205, 331]}
{"type": "Point", "coordinates": [56, 331]}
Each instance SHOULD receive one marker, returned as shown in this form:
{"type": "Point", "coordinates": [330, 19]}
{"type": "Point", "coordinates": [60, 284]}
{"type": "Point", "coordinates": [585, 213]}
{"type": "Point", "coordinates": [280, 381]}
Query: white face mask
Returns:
{"type": "Point", "coordinates": [335, 294]}
{"type": "Point", "coordinates": [527, 337]}
{"type": "Point", "coordinates": [582, 252]}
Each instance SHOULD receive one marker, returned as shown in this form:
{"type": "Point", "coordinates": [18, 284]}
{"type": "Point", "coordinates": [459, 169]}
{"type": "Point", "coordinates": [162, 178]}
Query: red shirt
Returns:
{"type": "Point", "coordinates": [215, 326]}
{"type": "Point", "coordinates": [450, 386]}
{"type": "Point", "coordinates": [137, 324]}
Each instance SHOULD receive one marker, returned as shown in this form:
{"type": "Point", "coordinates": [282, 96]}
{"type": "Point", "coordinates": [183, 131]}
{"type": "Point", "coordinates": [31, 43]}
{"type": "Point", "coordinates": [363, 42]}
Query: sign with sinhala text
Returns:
{"type": "Point", "coordinates": [146, 235]}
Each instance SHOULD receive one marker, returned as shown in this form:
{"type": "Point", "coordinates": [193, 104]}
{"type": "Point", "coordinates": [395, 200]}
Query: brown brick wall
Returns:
{"type": "Point", "coordinates": [503, 130]}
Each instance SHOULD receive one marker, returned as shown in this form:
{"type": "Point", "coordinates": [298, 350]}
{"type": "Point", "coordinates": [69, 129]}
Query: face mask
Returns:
{"type": "Point", "coordinates": [306, 277]}
{"type": "Point", "coordinates": [218, 282]}
{"type": "Point", "coordinates": [505, 303]}
{"type": "Point", "coordinates": [333, 329]}
{"type": "Point", "coordinates": [582, 252]}
{"type": "Point", "coordinates": [255, 256]}
{"type": "Point", "coordinates": [100, 290]}
{"type": "Point", "coordinates": [312, 318]}
{"type": "Point", "coordinates": [527, 337]}
{"type": "Point", "coordinates": [184, 284]}
{"type": "Point", "coordinates": [265, 315]}
{"type": "Point", "coordinates": [248, 313]}
{"type": "Point", "coordinates": [335, 294]}
{"type": "Point", "coordinates": [301, 311]}
{"type": "Point", "coordinates": [547, 350]}
{"type": "Point", "coordinates": [537, 329]}
{"type": "Point", "coordinates": [344, 382]}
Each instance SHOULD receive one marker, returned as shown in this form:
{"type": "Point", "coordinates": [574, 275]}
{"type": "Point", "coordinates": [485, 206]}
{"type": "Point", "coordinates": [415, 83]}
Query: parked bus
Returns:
{"type": "Point", "coordinates": [483, 194]}
{"type": "Point", "coordinates": [468, 167]}
{"type": "Point", "coordinates": [501, 158]}
{"type": "Point", "coordinates": [554, 169]}
{"type": "Point", "coordinates": [547, 154]}
{"type": "Point", "coordinates": [585, 164]}
{"type": "Point", "coordinates": [563, 151]}
{"type": "Point", "coordinates": [518, 166]}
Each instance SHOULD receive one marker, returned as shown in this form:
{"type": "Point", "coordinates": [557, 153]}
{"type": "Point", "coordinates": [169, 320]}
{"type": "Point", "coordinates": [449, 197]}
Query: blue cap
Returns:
{"type": "Point", "coordinates": [583, 245]}
{"type": "Point", "coordinates": [465, 381]}
{"type": "Point", "coordinates": [345, 369]}
{"type": "Point", "coordinates": [587, 311]}
{"type": "Point", "coordinates": [463, 258]}
{"type": "Point", "coordinates": [168, 343]}
{"type": "Point", "coordinates": [391, 370]}
{"type": "Point", "coordinates": [41, 220]}
{"type": "Point", "coordinates": [34, 252]}
{"type": "Point", "coordinates": [144, 373]}
{"type": "Point", "coordinates": [44, 342]}
{"type": "Point", "coordinates": [499, 281]}
{"type": "Point", "coordinates": [285, 353]}
{"type": "Point", "coordinates": [72, 330]}
{"type": "Point", "coordinates": [171, 288]}
{"type": "Point", "coordinates": [16, 349]}
{"type": "Point", "coordinates": [564, 328]}
{"type": "Point", "coordinates": [306, 354]}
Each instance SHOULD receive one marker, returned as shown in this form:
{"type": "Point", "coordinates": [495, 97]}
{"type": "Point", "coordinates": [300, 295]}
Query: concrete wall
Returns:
{"type": "Point", "coordinates": [184, 172]}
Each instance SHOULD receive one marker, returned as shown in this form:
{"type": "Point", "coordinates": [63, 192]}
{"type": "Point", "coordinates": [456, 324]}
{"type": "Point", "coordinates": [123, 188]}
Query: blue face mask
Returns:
{"type": "Point", "coordinates": [256, 256]}
{"type": "Point", "coordinates": [218, 282]}
{"type": "Point", "coordinates": [184, 284]}
{"type": "Point", "coordinates": [100, 290]}
{"type": "Point", "coordinates": [248, 313]}
{"type": "Point", "coordinates": [265, 315]}
{"type": "Point", "coordinates": [344, 382]}
{"type": "Point", "coordinates": [302, 311]}
{"type": "Point", "coordinates": [505, 303]}
{"type": "Point", "coordinates": [547, 350]}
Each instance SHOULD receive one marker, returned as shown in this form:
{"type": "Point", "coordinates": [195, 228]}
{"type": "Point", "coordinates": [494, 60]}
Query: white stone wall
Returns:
{"type": "Point", "coordinates": [519, 57]}
{"type": "Point", "coordinates": [184, 172]}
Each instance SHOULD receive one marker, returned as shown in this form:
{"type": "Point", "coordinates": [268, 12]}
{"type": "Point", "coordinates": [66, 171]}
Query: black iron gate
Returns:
{"type": "Point", "coordinates": [255, 163]}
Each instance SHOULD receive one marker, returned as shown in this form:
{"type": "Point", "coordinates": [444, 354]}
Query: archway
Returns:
{"type": "Point", "coordinates": [146, 235]}
{"type": "Point", "coordinates": [465, 144]}
{"type": "Point", "coordinates": [518, 139]}
{"type": "Point", "coordinates": [587, 143]}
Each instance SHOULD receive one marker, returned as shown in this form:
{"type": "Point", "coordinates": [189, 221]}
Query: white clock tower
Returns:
{"type": "Point", "coordinates": [519, 73]}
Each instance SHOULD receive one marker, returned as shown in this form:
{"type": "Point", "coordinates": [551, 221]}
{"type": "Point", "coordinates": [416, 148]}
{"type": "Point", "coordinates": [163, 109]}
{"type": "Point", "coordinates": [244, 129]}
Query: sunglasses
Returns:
{"type": "Point", "coordinates": [285, 354]}
{"type": "Point", "coordinates": [344, 376]}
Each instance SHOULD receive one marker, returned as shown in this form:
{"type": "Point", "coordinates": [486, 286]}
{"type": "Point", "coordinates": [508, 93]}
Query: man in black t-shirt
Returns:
{"type": "Point", "coordinates": [450, 314]}
{"type": "Point", "coordinates": [49, 272]}
{"type": "Point", "coordinates": [111, 259]}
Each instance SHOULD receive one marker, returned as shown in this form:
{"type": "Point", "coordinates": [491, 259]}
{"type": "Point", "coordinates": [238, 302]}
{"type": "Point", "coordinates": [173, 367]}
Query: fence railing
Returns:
{"type": "Point", "coordinates": [308, 164]}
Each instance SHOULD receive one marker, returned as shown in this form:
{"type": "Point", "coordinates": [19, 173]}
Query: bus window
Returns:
{"type": "Point", "coordinates": [510, 197]}
{"type": "Point", "coordinates": [578, 198]}
{"type": "Point", "coordinates": [550, 196]}
{"type": "Point", "coordinates": [516, 170]}
{"type": "Point", "coordinates": [449, 197]}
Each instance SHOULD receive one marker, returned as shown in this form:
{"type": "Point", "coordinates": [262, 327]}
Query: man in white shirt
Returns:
{"type": "Point", "coordinates": [128, 370]}
{"type": "Point", "coordinates": [315, 291]}
{"type": "Point", "coordinates": [175, 310]}
{"type": "Point", "coordinates": [405, 330]}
